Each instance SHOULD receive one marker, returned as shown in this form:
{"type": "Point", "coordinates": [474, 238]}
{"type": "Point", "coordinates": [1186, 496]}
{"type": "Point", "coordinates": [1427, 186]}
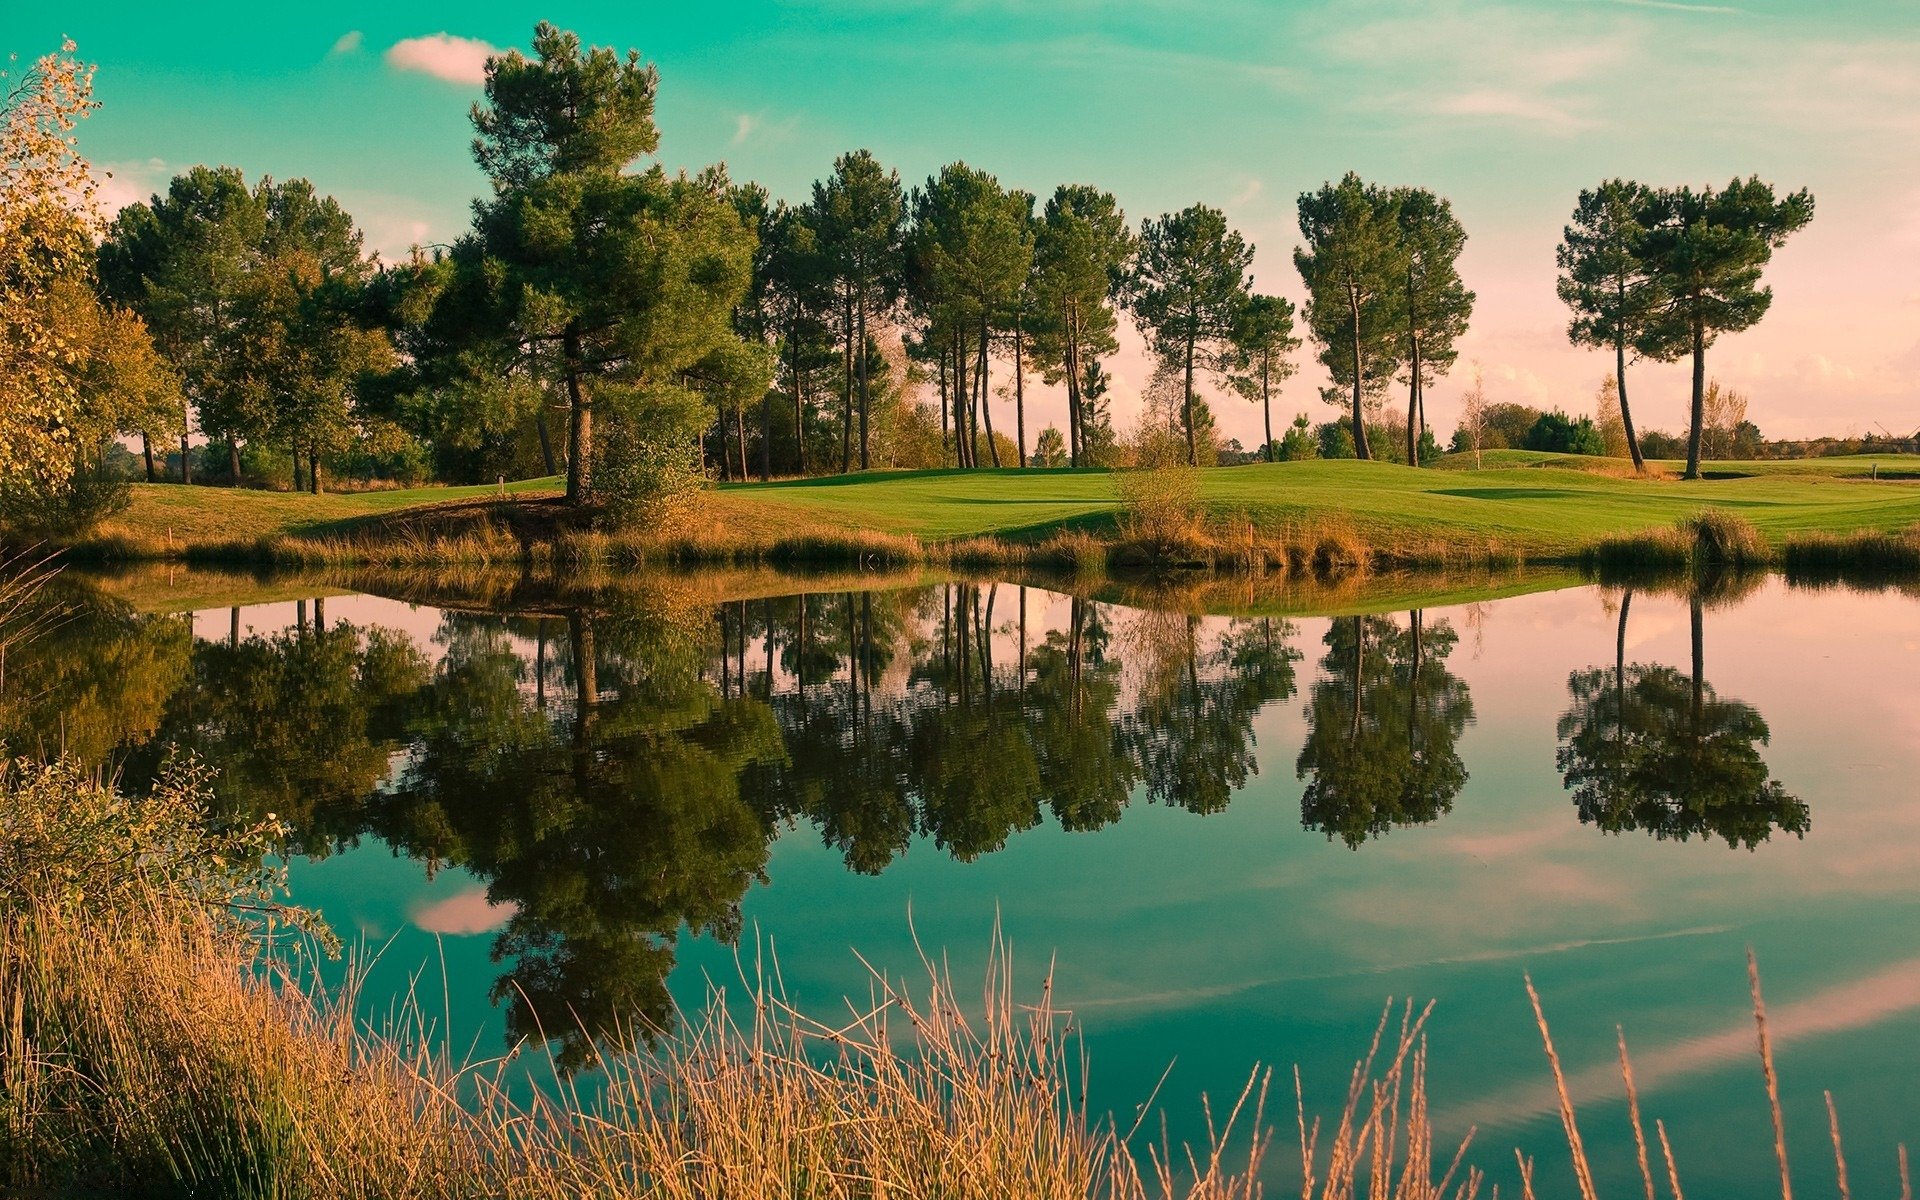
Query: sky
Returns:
{"type": "Point", "coordinates": [1506, 107]}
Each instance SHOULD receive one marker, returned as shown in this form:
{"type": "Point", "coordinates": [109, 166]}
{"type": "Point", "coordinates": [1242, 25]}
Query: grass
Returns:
{"type": "Point", "coordinates": [145, 1050]}
{"type": "Point", "coordinates": [1320, 516]}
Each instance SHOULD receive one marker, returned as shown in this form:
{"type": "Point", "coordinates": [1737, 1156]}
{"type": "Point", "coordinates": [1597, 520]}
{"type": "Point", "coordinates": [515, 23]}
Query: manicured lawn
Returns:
{"type": "Point", "coordinates": [1517, 498]}
{"type": "Point", "coordinates": [1540, 505]}
{"type": "Point", "coordinates": [221, 514]}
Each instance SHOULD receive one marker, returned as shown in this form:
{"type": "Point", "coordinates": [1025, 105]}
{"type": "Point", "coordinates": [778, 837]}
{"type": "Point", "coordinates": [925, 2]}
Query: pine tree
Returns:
{"type": "Point", "coordinates": [1436, 304]}
{"type": "Point", "coordinates": [1354, 267]}
{"type": "Point", "coordinates": [1188, 285]}
{"type": "Point", "coordinates": [1606, 283]}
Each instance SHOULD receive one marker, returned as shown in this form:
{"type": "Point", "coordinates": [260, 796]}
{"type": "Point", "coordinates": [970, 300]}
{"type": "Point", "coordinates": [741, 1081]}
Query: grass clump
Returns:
{"type": "Point", "coordinates": [1709, 540]}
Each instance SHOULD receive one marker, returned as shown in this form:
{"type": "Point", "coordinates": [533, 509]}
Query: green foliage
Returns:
{"type": "Point", "coordinates": [1383, 729]}
{"type": "Point", "coordinates": [1354, 265]}
{"type": "Point", "coordinates": [69, 842]}
{"type": "Point", "coordinates": [1435, 303]}
{"type": "Point", "coordinates": [1263, 345]}
{"type": "Point", "coordinates": [1558, 433]}
{"type": "Point", "coordinates": [1082, 253]}
{"type": "Point", "coordinates": [1188, 287]}
{"type": "Point", "coordinates": [1049, 449]}
{"type": "Point", "coordinates": [585, 280]}
{"type": "Point", "coordinates": [1606, 282]}
{"type": "Point", "coordinates": [1300, 442]}
{"type": "Point", "coordinates": [1708, 249]}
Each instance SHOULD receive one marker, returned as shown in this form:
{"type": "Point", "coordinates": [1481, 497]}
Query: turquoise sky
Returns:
{"type": "Point", "coordinates": [1507, 108]}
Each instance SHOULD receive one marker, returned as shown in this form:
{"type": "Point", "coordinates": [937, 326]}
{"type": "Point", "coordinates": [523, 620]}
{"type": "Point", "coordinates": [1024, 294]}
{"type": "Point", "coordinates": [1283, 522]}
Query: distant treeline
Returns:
{"type": "Point", "coordinates": [638, 331]}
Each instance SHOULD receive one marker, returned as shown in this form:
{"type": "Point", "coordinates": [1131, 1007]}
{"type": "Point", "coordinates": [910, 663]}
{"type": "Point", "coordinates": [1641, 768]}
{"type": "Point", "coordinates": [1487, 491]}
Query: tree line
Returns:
{"type": "Point", "coordinates": [637, 330]}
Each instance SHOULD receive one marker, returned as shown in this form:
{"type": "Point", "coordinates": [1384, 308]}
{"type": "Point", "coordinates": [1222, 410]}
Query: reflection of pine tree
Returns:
{"type": "Point", "coordinates": [609, 825]}
{"type": "Point", "coordinates": [1382, 729]}
{"type": "Point", "coordinates": [1192, 733]}
{"type": "Point", "coordinates": [1648, 748]}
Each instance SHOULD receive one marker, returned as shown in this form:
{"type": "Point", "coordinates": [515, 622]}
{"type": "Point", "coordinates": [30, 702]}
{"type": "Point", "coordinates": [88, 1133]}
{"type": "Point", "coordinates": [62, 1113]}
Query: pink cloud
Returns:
{"type": "Point", "coordinates": [443, 56]}
{"type": "Point", "coordinates": [463, 912]}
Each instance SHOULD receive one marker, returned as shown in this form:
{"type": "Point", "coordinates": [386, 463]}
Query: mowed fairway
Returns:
{"type": "Point", "coordinates": [1525, 501]}
{"type": "Point", "coordinates": [1532, 504]}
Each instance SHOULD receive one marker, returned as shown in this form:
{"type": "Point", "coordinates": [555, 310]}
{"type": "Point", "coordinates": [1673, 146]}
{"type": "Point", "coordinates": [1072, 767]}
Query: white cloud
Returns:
{"type": "Point", "coordinates": [1501, 104]}
{"type": "Point", "coordinates": [124, 183]}
{"type": "Point", "coordinates": [443, 56]}
{"type": "Point", "coordinates": [743, 127]}
{"type": "Point", "coordinates": [1246, 194]}
{"type": "Point", "coordinates": [348, 42]}
{"type": "Point", "coordinates": [1675, 6]}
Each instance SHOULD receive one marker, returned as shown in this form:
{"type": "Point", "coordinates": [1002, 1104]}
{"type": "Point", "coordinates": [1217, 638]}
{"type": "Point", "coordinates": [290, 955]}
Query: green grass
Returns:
{"type": "Point", "coordinates": [200, 515]}
{"type": "Point", "coordinates": [1516, 505]}
{"type": "Point", "coordinates": [1531, 503]}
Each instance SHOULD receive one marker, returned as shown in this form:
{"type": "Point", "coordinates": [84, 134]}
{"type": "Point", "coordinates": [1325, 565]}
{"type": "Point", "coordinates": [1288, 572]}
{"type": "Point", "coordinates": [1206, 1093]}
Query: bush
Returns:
{"type": "Point", "coordinates": [1655, 444]}
{"type": "Point", "coordinates": [1557, 433]}
{"type": "Point", "coordinates": [1299, 442]}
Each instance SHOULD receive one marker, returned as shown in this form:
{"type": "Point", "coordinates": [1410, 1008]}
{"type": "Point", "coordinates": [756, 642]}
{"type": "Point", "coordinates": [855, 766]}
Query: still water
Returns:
{"type": "Point", "coordinates": [1236, 836]}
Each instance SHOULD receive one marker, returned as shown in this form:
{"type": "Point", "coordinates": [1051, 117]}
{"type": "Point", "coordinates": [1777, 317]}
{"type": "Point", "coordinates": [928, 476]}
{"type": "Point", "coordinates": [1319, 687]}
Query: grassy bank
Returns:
{"type": "Point", "coordinates": [1324, 517]}
{"type": "Point", "coordinates": [152, 1044]}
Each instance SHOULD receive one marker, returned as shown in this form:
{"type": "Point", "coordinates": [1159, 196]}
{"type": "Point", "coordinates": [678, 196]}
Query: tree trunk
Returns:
{"type": "Point", "coordinates": [186, 461]}
{"type": "Point", "coordinates": [1620, 389]}
{"type": "Point", "coordinates": [1019, 393]}
{"type": "Point", "coordinates": [233, 461]}
{"type": "Point", "coordinates": [1699, 398]}
{"type": "Point", "coordinates": [146, 452]}
{"type": "Point", "coordinates": [962, 401]}
{"type": "Point", "coordinates": [579, 425]}
{"type": "Point", "coordinates": [1193, 453]}
{"type": "Point", "coordinates": [1072, 358]}
{"type": "Point", "coordinates": [799, 412]}
{"type": "Point", "coordinates": [298, 486]}
{"type": "Point", "coordinates": [946, 400]}
{"type": "Point", "coordinates": [986, 396]}
{"type": "Point", "coordinates": [1359, 411]}
{"type": "Point", "coordinates": [866, 459]}
{"type": "Point", "coordinates": [546, 439]}
{"type": "Point", "coordinates": [1620, 681]}
{"type": "Point", "coordinates": [740, 421]}
{"type": "Point", "coordinates": [313, 471]}
{"type": "Point", "coordinates": [1699, 662]}
{"type": "Point", "coordinates": [846, 394]}
{"type": "Point", "coordinates": [1266, 400]}
{"type": "Point", "coordinates": [319, 615]}
{"type": "Point", "coordinates": [233, 628]}
{"type": "Point", "coordinates": [766, 437]}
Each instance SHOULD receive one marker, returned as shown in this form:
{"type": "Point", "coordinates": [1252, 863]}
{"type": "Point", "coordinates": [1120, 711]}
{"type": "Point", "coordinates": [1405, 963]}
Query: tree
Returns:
{"type": "Point", "coordinates": [1650, 749]}
{"type": "Point", "coordinates": [47, 226]}
{"type": "Point", "coordinates": [1353, 264]}
{"type": "Point", "coordinates": [1263, 339]}
{"type": "Point", "coordinates": [1081, 253]}
{"type": "Point", "coordinates": [183, 261]}
{"type": "Point", "coordinates": [972, 255]}
{"type": "Point", "coordinates": [1188, 285]}
{"type": "Point", "coordinates": [1608, 416]}
{"type": "Point", "coordinates": [1722, 412]}
{"type": "Point", "coordinates": [1606, 282]}
{"type": "Point", "coordinates": [1436, 304]}
{"type": "Point", "coordinates": [799, 294]}
{"type": "Point", "coordinates": [1050, 450]}
{"type": "Point", "coordinates": [1707, 250]}
{"type": "Point", "coordinates": [1473, 416]}
{"type": "Point", "coordinates": [607, 284]}
{"type": "Point", "coordinates": [1299, 444]}
{"type": "Point", "coordinates": [858, 217]}
{"type": "Point", "coordinates": [301, 316]}
{"type": "Point", "coordinates": [1383, 729]}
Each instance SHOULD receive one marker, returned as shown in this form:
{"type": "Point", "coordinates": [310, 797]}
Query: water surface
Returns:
{"type": "Point", "coordinates": [1237, 836]}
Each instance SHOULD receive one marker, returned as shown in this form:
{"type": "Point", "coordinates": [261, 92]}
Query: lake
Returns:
{"type": "Point", "coordinates": [1233, 829]}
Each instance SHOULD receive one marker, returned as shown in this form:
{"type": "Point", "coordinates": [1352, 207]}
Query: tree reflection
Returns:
{"type": "Point", "coordinates": [612, 769]}
{"type": "Point", "coordinates": [1383, 725]}
{"type": "Point", "coordinates": [605, 827]}
{"type": "Point", "coordinates": [1647, 748]}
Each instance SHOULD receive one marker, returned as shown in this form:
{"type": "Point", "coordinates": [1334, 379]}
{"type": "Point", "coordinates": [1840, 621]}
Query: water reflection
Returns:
{"type": "Point", "coordinates": [614, 766]}
{"type": "Point", "coordinates": [1383, 729]}
{"type": "Point", "coordinates": [1644, 747]}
